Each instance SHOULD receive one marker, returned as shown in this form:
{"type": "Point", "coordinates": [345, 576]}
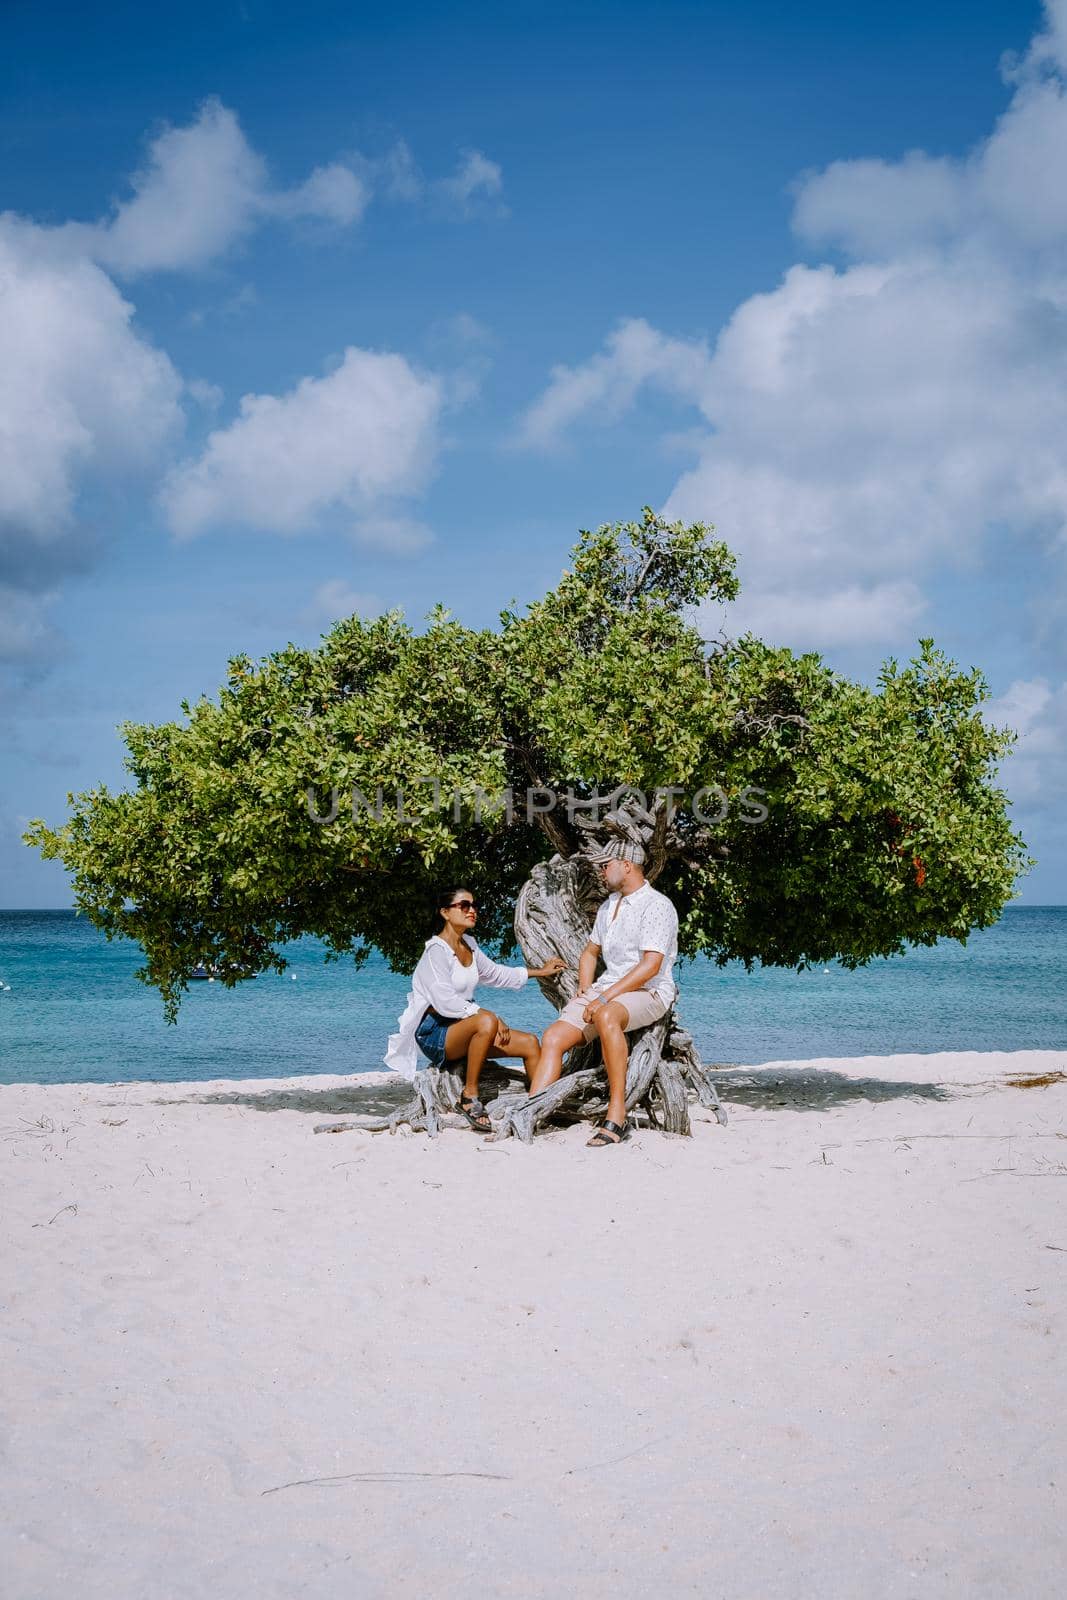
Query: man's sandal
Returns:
{"type": "Point", "coordinates": [603, 1135]}
{"type": "Point", "coordinates": [475, 1113]}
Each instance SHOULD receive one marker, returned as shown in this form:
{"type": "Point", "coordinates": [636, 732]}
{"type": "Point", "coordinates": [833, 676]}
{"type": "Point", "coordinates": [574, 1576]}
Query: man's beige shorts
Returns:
{"type": "Point", "coordinates": [642, 1007]}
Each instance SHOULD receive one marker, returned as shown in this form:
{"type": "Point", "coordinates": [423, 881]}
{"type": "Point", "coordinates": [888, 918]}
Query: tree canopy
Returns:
{"type": "Point", "coordinates": [883, 821]}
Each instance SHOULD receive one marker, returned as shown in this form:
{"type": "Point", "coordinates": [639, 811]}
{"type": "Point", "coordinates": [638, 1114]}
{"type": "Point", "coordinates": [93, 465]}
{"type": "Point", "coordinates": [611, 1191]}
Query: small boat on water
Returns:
{"type": "Point", "coordinates": [209, 971]}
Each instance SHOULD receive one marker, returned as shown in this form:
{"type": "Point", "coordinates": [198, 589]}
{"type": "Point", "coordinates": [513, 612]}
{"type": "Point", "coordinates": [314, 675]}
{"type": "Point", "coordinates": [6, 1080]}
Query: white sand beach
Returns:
{"type": "Point", "coordinates": [817, 1352]}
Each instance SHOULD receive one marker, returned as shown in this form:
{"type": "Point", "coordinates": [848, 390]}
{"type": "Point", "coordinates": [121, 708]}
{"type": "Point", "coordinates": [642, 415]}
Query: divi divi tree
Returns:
{"type": "Point", "coordinates": [792, 815]}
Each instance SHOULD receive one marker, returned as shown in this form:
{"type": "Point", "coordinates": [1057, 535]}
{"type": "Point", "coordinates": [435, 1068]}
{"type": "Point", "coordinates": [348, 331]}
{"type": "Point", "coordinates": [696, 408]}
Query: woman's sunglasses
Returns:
{"type": "Point", "coordinates": [462, 905]}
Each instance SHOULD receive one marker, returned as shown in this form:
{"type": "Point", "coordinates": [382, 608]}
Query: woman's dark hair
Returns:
{"type": "Point", "coordinates": [441, 899]}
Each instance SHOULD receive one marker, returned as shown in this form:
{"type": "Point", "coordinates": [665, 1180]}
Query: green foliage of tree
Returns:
{"type": "Point", "coordinates": [884, 823]}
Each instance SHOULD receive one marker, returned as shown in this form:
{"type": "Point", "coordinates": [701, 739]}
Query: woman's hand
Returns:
{"type": "Point", "coordinates": [550, 968]}
{"type": "Point", "coordinates": [503, 1037]}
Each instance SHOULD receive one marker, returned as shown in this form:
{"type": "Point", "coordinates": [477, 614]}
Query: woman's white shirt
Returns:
{"type": "Point", "coordinates": [442, 981]}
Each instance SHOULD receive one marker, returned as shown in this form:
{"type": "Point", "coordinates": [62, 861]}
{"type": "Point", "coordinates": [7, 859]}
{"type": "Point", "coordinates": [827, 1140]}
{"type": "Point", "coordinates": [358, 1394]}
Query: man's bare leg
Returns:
{"type": "Point", "coordinates": [610, 1020]}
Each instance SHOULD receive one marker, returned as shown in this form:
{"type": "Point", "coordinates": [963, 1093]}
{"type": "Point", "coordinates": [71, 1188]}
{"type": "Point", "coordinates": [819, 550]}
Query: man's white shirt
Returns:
{"type": "Point", "coordinates": [629, 924]}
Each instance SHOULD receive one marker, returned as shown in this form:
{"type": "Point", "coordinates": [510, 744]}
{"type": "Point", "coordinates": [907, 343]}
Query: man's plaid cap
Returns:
{"type": "Point", "coordinates": [618, 850]}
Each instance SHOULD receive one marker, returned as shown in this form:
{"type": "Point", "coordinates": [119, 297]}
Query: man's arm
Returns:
{"type": "Point", "coordinates": [636, 978]}
{"type": "Point", "coordinates": [587, 966]}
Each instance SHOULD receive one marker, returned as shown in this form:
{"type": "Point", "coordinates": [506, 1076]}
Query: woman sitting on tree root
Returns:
{"type": "Point", "coordinates": [445, 1022]}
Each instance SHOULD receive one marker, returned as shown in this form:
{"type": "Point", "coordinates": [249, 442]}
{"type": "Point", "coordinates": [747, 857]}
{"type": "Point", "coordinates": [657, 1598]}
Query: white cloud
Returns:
{"type": "Point", "coordinates": [871, 423]}
{"type": "Point", "coordinates": [463, 348]}
{"type": "Point", "coordinates": [1048, 48]}
{"type": "Point", "coordinates": [335, 193]}
{"type": "Point", "coordinates": [635, 354]}
{"type": "Point", "coordinates": [87, 403]}
{"type": "Point", "coordinates": [879, 208]}
{"type": "Point", "coordinates": [1022, 706]}
{"type": "Point", "coordinates": [82, 396]}
{"type": "Point", "coordinates": [461, 331]}
{"type": "Point", "coordinates": [238, 304]}
{"type": "Point", "coordinates": [849, 616]}
{"type": "Point", "coordinates": [26, 635]}
{"type": "Point", "coordinates": [475, 186]}
{"type": "Point", "coordinates": [1006, 196]}
{"type": "Point", "coordinates": [336, 598]}
{"type": "Point", "coordinates": [399, 174]}
{"type": "Point", "coordinates": [475, 179]}
{"type": "Point", "coordinates": [363, 434]}
{"type": "Point", "coordinates": [1035, 771]}
{"type": "Point", "coordinates": [208, 396]}
{"type": "Point", "coordinates": [201, 190]}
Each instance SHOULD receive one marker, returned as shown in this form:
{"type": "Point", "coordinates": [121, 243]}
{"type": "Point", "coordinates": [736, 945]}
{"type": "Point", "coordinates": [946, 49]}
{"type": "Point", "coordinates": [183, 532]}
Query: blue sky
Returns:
{"type": "Point", "coordinates": [321, 307]}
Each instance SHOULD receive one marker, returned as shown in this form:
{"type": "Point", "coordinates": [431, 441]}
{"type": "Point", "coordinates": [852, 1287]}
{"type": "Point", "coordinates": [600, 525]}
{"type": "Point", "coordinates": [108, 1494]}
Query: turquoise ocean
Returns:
{"type": "Point", "coordinates": [71, 1010]}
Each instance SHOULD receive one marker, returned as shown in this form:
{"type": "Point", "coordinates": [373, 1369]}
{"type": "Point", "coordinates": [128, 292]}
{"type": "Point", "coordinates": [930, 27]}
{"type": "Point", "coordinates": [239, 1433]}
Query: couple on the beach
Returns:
{"type": "Point", "coordinates": [636, 934]}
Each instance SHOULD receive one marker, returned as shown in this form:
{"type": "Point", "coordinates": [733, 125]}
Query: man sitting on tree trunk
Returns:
{"type": "Point", "coordinates": [636, 932]}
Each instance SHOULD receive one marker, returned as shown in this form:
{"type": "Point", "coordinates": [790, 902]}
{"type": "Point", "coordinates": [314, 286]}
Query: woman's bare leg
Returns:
{"type": "Point", "coordinates": [525, 1046]}
{"type": "Point", "coordinates": [559, 1037]}
{"type": "Point", "coordinates": [472, 1037]}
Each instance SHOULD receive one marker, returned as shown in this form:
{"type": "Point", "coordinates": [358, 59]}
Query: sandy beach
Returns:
{"type": "Point", "coordinates": [817, 1352]}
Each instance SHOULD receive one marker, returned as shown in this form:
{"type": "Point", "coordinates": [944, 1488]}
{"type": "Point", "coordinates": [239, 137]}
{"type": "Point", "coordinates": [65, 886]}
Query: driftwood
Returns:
{"type": "Point", "coordinates": [555, 911]}
{"type": "Point", "coordinates": [664, 1072]}
{"type": "Point", "coordinates": [432, 1106]}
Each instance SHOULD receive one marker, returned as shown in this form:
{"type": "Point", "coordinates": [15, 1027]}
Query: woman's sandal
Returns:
{"type": "Point", "coordinates": [602, 1136]}
{"type": "Point", "coordinates": [475, 1113]}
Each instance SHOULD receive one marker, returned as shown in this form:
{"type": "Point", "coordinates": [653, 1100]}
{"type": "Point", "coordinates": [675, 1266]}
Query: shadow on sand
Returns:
{"type": "Point", "coordinates": [813, 1089]}
{"type": "Point", "coordinates": [368, 1100]}
{"type": "Point", "coordinates": [762, 1089]}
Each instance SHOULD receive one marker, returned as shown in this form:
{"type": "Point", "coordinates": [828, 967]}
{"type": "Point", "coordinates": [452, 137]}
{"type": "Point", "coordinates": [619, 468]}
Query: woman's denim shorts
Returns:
{"type": "Point", "coordinates": [430, 1036]}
